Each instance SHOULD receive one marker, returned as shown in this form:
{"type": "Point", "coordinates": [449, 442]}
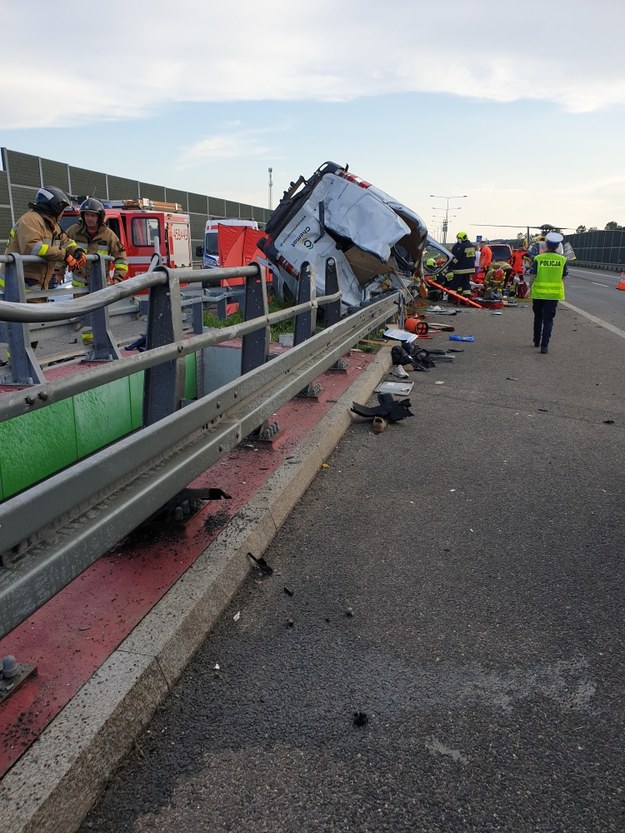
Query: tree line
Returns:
{"type": "Point", "coordinates": [611, 226]}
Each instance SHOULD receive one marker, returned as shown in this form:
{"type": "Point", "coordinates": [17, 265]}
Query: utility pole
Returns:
{"type": "Point", "coordinates": [447, 209]}
{"type": "Point", "coordinates": [270, 171]}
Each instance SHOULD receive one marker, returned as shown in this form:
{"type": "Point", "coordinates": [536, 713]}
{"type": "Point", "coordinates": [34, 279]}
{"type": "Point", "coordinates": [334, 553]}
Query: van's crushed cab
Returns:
{"type": "Point", "coordinates": [378, 243]}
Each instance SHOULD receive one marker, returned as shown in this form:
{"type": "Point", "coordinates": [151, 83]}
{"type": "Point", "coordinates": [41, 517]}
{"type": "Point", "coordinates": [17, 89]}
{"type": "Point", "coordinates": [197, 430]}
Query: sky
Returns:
{"type": "Point", "coordinates": [518, 106]}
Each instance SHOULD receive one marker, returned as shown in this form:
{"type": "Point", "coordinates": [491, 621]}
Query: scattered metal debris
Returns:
{"type": "Point", "coordinates": [262, 565]}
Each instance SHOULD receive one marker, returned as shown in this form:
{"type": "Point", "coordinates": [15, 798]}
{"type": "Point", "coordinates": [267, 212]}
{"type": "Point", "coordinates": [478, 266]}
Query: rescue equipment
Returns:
{"type": "Point", "coordinates": [415, 325]}
{"type": "Point", "coordinates": [453, 294]}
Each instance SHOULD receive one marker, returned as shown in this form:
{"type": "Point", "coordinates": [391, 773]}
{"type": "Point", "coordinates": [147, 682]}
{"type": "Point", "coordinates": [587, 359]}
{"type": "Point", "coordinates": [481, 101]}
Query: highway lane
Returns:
{"type": "Point", "coordinates": [457, 580]}
{"type": "Point", "coordinates": [595, 292]}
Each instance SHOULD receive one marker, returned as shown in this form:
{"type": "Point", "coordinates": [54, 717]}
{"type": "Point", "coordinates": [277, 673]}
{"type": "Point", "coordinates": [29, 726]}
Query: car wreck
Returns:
{"type": "Point", "coordinates": [379, 245]}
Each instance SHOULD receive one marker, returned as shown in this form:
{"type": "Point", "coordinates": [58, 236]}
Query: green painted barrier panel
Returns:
{"type": "Point", "coordinates": [34, 446]}
{"type": "Point", "coordinates": [190, 381]}
{"type": "Point", "coordinates": [101, 416]}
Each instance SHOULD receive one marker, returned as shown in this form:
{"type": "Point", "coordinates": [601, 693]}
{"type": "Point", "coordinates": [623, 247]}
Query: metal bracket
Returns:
{"type": "Point", "coordinates": [267, 432]}
{"type": "Point", "coordinates": [311, 392]}
{"type": "Point", "coordinates": [13, 675]}
{"type": "Point", "coordinates": [340, 366]}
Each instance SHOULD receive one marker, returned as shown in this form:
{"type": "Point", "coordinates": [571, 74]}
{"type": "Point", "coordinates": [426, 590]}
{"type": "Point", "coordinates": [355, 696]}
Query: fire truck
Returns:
{"type": "Point", "coordinates": [146, 228]}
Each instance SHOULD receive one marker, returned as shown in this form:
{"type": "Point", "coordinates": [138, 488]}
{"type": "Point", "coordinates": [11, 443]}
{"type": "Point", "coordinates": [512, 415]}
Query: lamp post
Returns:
{"type": "Point", "coordinates": [442, 220]}
{"type": "Point", "coordinates": [270, 171]}
{"type": "Point", "coordinates": [447, 209]}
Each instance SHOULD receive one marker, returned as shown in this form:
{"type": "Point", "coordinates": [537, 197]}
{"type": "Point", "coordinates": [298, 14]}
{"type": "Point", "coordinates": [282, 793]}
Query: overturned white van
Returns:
{"type": "Point", "coordinates": [378, 243]}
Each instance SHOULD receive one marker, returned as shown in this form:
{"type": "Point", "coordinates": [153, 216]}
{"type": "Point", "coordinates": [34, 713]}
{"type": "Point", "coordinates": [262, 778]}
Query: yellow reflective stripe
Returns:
{"type": "Point", "coordinates": [40, 249]}
{"type": "Point", "coordinates": [103, 251]}
{"type": "Point", "coordinates": [121, 267]}
{"type": "Point", "coordinates": [78, 283]}
{"type": "Point", "coordinates": [12, 233]}
{"type": "Point", "coordinates": [71, 245]}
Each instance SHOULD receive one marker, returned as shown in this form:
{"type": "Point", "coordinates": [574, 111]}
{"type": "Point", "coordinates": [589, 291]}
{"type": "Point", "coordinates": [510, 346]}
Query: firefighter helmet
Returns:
{"type": "Point", "coordinates": [51, 201]}
{"type": "Point", "coordinates": [91, 204]}
{"type": "Point", "coordinates": [462, 235]}
{"type": "Point", "coordinates": [430, 263]}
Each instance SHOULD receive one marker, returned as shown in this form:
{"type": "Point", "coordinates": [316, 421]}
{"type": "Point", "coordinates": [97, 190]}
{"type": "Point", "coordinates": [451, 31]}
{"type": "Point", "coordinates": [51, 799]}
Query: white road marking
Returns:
{"type": "Point", "coordinates": [594, 319]}
{"type": "Point", "coordinates": [596, 283]}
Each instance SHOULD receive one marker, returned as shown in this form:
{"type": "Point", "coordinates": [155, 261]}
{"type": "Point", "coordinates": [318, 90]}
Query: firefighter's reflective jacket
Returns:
{"type": "Point", "coordinates": [38, 234]}
{"type": "Point", "coordinates": [104, 242]}
{"type": "Point", "coordinates": [464, 258]}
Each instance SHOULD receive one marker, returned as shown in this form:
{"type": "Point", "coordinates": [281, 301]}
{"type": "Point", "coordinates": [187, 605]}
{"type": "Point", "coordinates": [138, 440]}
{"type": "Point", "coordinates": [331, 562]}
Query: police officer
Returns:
{"type": "Point", "coordinates": [463, 264]}
{"type": "Point", "coordinates": [96, 237]}
{"type": "Point", "coordinates": [549, 269]}
{"type": "Point", "coordinates": [37, 232]}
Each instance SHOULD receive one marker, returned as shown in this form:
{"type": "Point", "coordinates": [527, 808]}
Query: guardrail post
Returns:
{"type": "Point", "coordinates": [256, 344]}
{"type": "Point", "coordinates": [332, 311]}
{"type": "Point", "coordinates": [104, 347]}
{"type": "Point", "coordinates": [197, 315]}
{"type": "Point", "coordinates": [255, 350]}
{"type": "Point", "coordinates": [163, 386]}
{"type": "Point", "coordinates": [25, 369]}
{"type": "Point", "coordinates": [305, 322]}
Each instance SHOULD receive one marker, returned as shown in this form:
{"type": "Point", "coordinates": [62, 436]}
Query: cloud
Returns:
{"type": "Point", "coordinates": [158, 54]}
{"type": "Point", "coordinates": [233, 145]}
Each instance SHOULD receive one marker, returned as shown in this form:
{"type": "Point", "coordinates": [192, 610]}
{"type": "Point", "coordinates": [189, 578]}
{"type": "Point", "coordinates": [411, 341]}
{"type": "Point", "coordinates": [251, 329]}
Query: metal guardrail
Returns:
{"type": "Point", "coordinates": [54, 530]}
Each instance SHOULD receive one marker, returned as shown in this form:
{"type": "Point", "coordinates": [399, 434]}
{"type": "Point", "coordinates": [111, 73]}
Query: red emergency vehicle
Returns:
{"type": "Point", "coordinates": [145, 227]}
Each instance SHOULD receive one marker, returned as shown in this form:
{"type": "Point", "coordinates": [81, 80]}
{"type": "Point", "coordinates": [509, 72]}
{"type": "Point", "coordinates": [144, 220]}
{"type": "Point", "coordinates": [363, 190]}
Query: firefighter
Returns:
{"type": "Point", "coordinates": [98, 239]}
{"type": "Point", "coordinates": [429, 267]}
{"type": "Point", "coordinates": [462, 266]}
{"type": "Point", "coordinates": [37, 232]}
{"type": "Point", "coordinates": [496, 279]}
{"type": "Point", "coordinates": [494, 282]}
{"type": "Point", "coordinates": [550, 270]}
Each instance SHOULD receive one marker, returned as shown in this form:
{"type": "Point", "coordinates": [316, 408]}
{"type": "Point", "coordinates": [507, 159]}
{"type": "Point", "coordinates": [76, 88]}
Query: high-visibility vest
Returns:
{"type": "Point", "coordinates": [548, 284]}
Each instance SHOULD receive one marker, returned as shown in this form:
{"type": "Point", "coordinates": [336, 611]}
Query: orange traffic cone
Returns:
{"type": "Point", "coordinates": [621, 283]}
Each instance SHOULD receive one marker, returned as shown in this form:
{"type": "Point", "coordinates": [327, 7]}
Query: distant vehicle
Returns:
{"type": "Point", "coordinates": [376, 242]}
{"type": "Point", "coordinates": [145, 228]}
{"type": "Point", "coordinates": [209, 250]}
{"type": "Point", "coordinates": [501, 251]}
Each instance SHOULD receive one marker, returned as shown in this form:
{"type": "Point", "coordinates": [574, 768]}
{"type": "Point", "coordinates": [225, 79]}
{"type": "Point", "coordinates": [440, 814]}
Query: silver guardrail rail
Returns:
{"type": "Point", "coordinates": [54, 530]}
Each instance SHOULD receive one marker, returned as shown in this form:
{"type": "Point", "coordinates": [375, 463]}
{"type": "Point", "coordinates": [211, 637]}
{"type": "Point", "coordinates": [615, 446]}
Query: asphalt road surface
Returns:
{"type": "Point", "coordinates": [594, 291]}
{"type": "Point", "coordinates": [455, 586]}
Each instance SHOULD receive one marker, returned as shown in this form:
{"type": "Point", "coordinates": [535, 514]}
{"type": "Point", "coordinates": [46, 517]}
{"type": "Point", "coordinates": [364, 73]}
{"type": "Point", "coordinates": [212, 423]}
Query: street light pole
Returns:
{"type": "Point", "coordinates": [440, 221]}
{"type": "Point", "coordinates": [270, 171]}
{"type": "Point", "coordinates": [448, 199]}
